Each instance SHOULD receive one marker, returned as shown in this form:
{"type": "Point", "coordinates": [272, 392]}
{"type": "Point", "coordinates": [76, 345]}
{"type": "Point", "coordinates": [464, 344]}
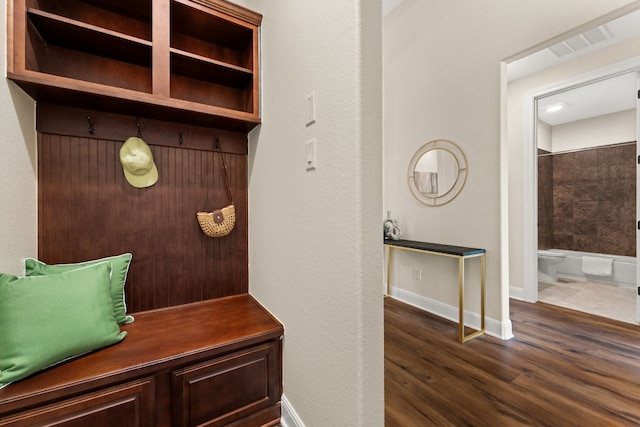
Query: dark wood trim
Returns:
{"type": "Point", "coordinates": [234, 10]}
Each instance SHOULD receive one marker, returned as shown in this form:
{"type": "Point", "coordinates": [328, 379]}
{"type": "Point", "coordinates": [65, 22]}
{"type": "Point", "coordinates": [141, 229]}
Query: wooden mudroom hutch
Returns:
{"type": "Point", "coordinates": [184, 76]}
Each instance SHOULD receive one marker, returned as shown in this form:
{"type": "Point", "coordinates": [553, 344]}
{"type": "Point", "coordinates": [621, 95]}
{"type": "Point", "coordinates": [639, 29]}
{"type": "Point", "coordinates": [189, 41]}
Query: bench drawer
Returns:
{"type": "Point", "coordinates": [227, 389]}
{"type": "Point", "coordinates": [130, 404]}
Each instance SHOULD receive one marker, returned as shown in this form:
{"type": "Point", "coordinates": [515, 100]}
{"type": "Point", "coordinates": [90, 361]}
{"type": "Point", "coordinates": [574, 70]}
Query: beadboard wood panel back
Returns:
{"type": "Point", "coordinates": [87, 210]}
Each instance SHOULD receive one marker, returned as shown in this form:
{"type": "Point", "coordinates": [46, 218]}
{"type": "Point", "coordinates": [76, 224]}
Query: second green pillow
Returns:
{"type": "Point", "coordinates": [120, 268]}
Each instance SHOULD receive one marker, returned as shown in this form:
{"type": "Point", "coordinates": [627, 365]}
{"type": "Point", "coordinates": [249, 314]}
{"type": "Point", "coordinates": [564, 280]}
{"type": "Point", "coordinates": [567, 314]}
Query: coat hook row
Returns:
{"type": "Point", "coordinates": [91, 128]}
{"type": "Point", "coordinates": [181, 136]}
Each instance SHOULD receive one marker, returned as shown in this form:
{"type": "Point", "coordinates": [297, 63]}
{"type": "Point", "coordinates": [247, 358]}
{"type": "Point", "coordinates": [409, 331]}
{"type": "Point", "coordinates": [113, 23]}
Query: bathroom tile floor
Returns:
{"type": "Point", "coordinates": [610, 301]}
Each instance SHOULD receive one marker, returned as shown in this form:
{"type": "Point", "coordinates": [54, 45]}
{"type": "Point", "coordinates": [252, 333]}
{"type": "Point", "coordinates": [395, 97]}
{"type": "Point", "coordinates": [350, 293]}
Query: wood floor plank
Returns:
{"type": "Point", "coordinates": [563, 368]}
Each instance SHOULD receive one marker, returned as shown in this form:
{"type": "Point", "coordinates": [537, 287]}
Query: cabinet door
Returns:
{"type": "Point", "coordinates": [130, 404]}
{"type": "Point", "coordinates": [228, 389]}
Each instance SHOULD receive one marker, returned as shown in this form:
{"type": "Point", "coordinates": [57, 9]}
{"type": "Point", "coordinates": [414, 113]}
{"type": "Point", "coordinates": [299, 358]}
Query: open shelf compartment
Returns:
{"type": "Point", "coordinates": [198, 31]}
{"type": "Point", "coordinates": [131, 17]}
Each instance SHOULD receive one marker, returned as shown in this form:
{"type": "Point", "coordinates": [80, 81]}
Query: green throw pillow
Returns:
{"type": "Point", "coordinates": [120, 268]}
{"type": "Point", "coordinates": [45, 320]}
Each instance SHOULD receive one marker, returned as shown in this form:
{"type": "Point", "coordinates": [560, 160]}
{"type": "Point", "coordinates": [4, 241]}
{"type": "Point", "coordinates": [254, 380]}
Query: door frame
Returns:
{"type": "Point", "coordinates": [530, 168]}
{"type": "Point", "coordinates": [637, 196]}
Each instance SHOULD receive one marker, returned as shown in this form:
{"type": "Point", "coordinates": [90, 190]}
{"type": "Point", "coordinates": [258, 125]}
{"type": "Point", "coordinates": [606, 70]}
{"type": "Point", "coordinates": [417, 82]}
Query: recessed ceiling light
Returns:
{"type": "Point", "coordinates": [555, 107]}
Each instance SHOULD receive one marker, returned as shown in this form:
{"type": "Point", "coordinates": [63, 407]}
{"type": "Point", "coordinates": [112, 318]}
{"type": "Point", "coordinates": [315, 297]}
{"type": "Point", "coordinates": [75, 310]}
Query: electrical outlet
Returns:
{"type": "Point", "coordinates": [417, 274]}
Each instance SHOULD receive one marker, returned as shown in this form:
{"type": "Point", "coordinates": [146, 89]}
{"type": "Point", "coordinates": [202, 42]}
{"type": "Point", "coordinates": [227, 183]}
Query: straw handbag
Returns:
{"type": "Point", "coordinates": [220, 222]}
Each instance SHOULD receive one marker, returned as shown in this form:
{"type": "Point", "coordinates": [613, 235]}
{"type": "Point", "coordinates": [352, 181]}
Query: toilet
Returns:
{"type": "Point", "coordinates": [547, 261]}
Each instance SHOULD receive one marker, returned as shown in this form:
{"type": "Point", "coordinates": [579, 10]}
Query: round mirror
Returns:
{"type": "Point", "coordinates": [437, 172]}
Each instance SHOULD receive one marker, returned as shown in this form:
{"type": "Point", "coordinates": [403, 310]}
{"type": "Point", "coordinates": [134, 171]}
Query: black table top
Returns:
{"type": "Point", "coordinates": [435, 247]}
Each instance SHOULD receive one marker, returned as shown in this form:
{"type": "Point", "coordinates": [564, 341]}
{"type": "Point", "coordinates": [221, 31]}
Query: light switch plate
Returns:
{"type": "Point", "coordinates": [311, 108]}
{"type": "Point", "coordinates": [310, 148]}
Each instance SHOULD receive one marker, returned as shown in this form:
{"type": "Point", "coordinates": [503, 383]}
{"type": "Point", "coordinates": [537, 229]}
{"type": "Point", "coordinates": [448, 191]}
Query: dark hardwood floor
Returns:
{"type": "Point", "coordinates": [563, 368]}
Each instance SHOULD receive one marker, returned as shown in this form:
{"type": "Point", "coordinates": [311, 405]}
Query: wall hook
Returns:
{"type": "Point", "coordinates": [180, 137]}
{"type": "Point", "coordinates": [91, 129]}
{"type": "Point", "coordinates": [218, 142]}
{"type": "Point", "coordinates": [139, 132]}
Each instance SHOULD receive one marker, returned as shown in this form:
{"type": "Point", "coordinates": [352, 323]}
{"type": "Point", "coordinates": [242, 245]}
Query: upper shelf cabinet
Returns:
{"type": "Point", "coordinates": [193, 61]}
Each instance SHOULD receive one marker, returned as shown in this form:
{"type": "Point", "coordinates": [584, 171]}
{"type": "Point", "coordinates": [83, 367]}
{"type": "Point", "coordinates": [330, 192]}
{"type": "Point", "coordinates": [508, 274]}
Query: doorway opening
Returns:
{"type": "Point", "coordinates": [586, 168]}
{"type": "Point", "coordinates": [572, 216]}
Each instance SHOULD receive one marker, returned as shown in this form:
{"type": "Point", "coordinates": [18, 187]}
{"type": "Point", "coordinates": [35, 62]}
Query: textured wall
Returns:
{"type": "Point", "coordinates": [18, 196]}
{"type": "Point", "coordinates": [315, 248]}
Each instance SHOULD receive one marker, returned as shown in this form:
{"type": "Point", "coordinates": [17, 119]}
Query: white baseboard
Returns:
{"type": "Point", "coordinates": [516, 293]}
{"type": "Point", "coordinates": [289, 416]}
{"type": "Point", "coordinates": [493, 327]}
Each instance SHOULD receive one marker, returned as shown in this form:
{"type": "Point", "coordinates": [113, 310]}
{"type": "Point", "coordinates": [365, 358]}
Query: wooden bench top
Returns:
{"type": "Point", "coordinates": [158, 339]}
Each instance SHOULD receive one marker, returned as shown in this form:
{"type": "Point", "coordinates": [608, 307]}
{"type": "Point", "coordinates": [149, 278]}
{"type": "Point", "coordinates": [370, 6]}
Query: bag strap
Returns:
{"type": "Point", "coordinates": [224, 168]}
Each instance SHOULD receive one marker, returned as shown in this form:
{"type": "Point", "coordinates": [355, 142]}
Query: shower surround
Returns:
{"type": "Point", "coordinates": [587, 200]}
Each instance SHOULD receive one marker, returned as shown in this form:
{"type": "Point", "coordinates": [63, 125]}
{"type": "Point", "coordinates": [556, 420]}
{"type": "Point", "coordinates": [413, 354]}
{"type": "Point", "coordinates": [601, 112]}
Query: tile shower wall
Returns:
{"type": "Point", "coordinates": [545, 200]}
{"type": "Point", "coordinates": [592, 204]}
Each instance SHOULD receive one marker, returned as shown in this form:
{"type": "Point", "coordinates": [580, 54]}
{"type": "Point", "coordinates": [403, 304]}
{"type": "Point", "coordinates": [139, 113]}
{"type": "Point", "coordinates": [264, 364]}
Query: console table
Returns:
{"type": "Point", "coordinates": [459, 252]}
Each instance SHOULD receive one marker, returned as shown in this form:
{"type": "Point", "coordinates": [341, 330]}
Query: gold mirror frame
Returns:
{"type": "Point", "coordinates": [449, 194]}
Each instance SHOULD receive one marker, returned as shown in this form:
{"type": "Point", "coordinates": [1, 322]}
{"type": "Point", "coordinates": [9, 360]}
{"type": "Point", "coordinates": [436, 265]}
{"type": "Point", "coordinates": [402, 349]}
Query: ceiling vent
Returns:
{"type": "Point", "coordinates": [581, 41]}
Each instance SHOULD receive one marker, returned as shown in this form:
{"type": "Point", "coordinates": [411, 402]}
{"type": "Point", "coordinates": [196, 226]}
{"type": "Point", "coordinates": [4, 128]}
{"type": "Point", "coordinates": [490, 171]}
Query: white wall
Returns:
{"type": "Point", "coordinates": [544, 136]}
{"type": "Point", "coordinates": [18, 168]}
{"type": "Point", "coordinates": [315, 237]}
{"type": "Point", "coordinates": [516, 144]}
{"type": "Point", "coordinates": [607, 129]}
{"type": "Point", "coordinates": [442, 79]}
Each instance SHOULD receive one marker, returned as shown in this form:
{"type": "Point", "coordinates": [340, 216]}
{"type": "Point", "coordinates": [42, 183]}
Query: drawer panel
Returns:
{"type": "Point", "coordinates": [126, 405]}
{"type": "Point", "coordinates": [227, 389]}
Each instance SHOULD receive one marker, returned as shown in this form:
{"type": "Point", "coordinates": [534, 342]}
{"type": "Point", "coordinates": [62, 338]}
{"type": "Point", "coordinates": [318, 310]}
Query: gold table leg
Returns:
{"type": "Point", "coordinates": [461, 299]}
{"type": "Point", "coordinates": [461, 336]}
{"type": "Point", "coordinates": [461, 260]}
{"type": "Point", "coordinates": [389, 272]}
